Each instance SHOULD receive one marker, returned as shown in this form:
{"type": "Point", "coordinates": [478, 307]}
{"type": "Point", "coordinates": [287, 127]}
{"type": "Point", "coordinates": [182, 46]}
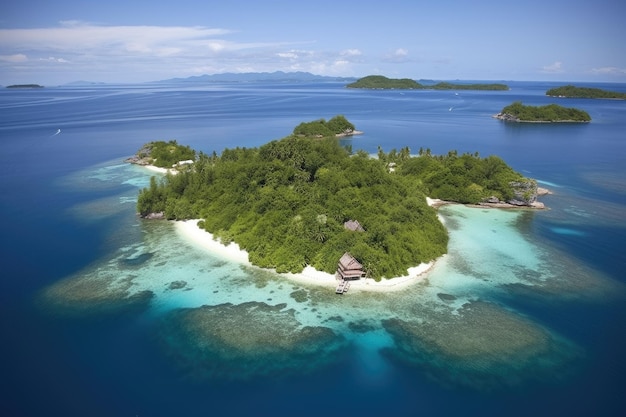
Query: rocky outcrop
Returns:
{"type": "Point", "coordinates": [142, 157]}
{"type": "Point", "coordinates": [155, 216]}
{"type": "Point", "coordinates": [525, 194]}
{"type": "Point", "coordinates": [349, 132]}
{"type": "Point", "coordinates": [506, 117]}
{"type": "Point", "coordinates": [138, 160]}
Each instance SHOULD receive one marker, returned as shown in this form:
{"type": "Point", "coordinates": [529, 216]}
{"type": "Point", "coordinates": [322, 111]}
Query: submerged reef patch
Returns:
{"type": "Point", "coordinates": [177, 285]}
{"type": "Point", "coordinates": [136, 261]}
{"type": "Point", "coordinates": [246, 340]}
{"type": "Point", "coordinates": [300, 296]}
{"type": "Point", "coordinates": [88, 296]}
{"type": "Point", "coordinates": [446, 297]}
{"type": "Point", "coordinates": [483, 347]}
{"type": "Point", "coordinates": [565, 279]}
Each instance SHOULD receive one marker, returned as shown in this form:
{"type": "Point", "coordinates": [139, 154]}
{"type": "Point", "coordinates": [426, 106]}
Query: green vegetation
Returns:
{"type": "Point", "coordinates": [517, 112]}
{"type": "Point", "coordinates": [163, 154]}
{"type": "Point", "coordinates": [584, 92]}
{"type": "Point", "coordinates": [450, 86]}
{"type": "Point", "coordinates": [285, 202]}
{"type": "Point", "coordinates": [25, 86]}
{"type": "Point", "coordinates": [465, 178]}
{"type": "Point", "coordinates": [321, 128]}
{"type": "Point", "coordinates": [382, 82]}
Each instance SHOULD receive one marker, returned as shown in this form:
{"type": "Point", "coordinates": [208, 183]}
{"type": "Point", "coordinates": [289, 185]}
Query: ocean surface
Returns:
{"type": "Point", "coordinates": [105, 314]}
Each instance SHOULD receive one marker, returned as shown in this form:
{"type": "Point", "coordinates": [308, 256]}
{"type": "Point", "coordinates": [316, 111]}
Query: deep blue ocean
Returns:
{"type": "Point", "coordinates": [102, 313]}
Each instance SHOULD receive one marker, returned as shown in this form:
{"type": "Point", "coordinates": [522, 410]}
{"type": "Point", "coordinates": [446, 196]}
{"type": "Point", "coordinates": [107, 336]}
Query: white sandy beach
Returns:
{"type": "Point", "coordinates": [190, 231]}
{"type": "Point", "coordinates": [160, 170]}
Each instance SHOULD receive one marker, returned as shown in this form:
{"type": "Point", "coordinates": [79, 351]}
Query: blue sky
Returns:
{"type": "Point", "coordinates": [55, 42]}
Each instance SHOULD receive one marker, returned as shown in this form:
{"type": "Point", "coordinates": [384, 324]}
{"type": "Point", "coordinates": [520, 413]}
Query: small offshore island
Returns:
{"type": "Point", "coordinates": [382, 82]}
{"type": "Point", "coordinates": [24, 86]}
{"type": "Point", "coordinates": [304, 201]}
{"type": "Point", "coordinates": [570, 91]}
{"type": "Point", "coordinates": [552, 113]}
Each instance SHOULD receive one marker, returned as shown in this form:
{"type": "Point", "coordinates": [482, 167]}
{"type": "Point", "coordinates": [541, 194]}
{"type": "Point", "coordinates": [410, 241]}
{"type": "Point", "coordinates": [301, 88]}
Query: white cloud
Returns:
{"type": "Point", "coordinates": [145, 53]}
{"type": "Point", "coordinates": [15, 58]}
{"type": "Point", "coordinates": [73, 23]}
{"type": "Point", "coordinates": [77, 37]}
{"type": "Point", "coordinates": [401, 52]}
{"type": "Point", "coordinates": [216, 45]}
{"type": "Point", "coordinates": [53, 59]}
{"type": "Point", "coordinates": [554, 68]}
{"type": "Point", "coordinates": [400, 55]}
{"type": "Point", "coordinates": [132, 53]}
{"type": "Point", "coordinates": [350, 52]}
{"type": "Point", "coordinates": [289, 55]}
{"type": "Point", "coordinates": [609, 71]}
{"type": "Point", "coordinates": [137, 47]}
{"type": "Point", "coordinates": [295, 54]}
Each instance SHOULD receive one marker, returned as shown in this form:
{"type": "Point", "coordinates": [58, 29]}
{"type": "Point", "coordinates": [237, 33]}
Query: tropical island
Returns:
{"type": "Point", "coordinates": [382, 82]}
{"type": "Point", "coordinates": [299, 201]}
{"type": "Point", "coordinates": [163, 154]}
{"type": "Point", "coordinates": [551, 113]}
{"type": "Point", "coordinates": [338, 126]}
{"type": "Point", "coordinates": [24, 86]}
{"type": "Point", "coordinates": [571, 91]}
{"type": "Point", "coordinates": [455, 86]}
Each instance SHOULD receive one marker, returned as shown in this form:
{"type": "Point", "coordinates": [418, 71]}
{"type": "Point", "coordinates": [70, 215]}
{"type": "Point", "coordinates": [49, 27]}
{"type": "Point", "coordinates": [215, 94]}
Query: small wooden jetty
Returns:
{"type": "Point", "coordinates": [342, 287]}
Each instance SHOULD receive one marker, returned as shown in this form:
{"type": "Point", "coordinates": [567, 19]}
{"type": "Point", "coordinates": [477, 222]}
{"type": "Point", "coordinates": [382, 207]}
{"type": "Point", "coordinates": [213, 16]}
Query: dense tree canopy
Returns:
{"type": "Point", "coordinates": [549, 113]}
{"type": "Point", "coordinates": [165, 154]}
{"type": "Point", "coordinates": [322, 128]}
{"type": "Point", "coordinates": [25, 86]}
{"type": "Point", "coordinates": [382, 82]}
{"type": "Point", "coordinates": [465, 178]}
{"type": "Point", "coordinates": [456, 86]}
{"type": "Point", "coordinates": [286, 202]}
{"type": "Point", "coordinates": [584, 92]}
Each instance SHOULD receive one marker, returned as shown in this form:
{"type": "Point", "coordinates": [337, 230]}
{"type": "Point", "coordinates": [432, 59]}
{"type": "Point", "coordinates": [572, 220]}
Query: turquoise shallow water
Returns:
{"type": "Point", "coordinates": [452, 317]}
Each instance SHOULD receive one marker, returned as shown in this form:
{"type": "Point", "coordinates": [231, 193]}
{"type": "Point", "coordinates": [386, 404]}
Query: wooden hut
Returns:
{"type": "Point", "coordinates": [349, 268]}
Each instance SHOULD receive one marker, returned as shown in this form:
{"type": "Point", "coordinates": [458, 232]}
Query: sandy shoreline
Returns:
{"type": "Point", "coordinates": [190, 231]}
{"type": "Point", "coordinates": [160, 170]}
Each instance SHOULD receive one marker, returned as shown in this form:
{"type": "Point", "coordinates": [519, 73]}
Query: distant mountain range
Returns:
{"type": "Point", "coordinates": [278, 76]}
{"type": "Point", "coordinates": [259, 76]}
{"type": "Point", "coordinates": [82, 83]}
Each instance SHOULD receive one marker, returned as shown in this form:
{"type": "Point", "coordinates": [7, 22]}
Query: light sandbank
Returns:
{"type": "Point", "coordinates": [190, 231]}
